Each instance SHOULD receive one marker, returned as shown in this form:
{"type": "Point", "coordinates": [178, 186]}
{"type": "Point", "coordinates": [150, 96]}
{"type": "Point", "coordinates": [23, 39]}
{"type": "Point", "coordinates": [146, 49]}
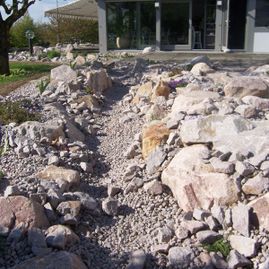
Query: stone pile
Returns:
{"type": "Point", "coordinates": [174, 174]}
{"type": "Point", "coordinates": [208, 142]}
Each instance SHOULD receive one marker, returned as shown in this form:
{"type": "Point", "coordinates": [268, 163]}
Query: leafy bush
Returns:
{"type": "Point", "coordinates": [15, 112]}
{"type": "Point", "coordinates": [53, 53]}
{"type": "Point", "coordinates": [220, 245]}
{"type": "Point", "coordinates": [1, 176]}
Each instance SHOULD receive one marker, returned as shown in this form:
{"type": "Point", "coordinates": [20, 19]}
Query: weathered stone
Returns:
{"type": "Point", "coordinates": [240, 217]}
{"type": "Point", "coordinates": [144, 91]}
{"type": "Point", "coordinates": [98, 81]}
{"type": "Point", "coordinates": [137, 259]}
{"type": "Point", "coordinates": [186, 100]}
{"type": "Point", "coordinates": [89, 101]}
{"type": "Point", "coordinates": [164, 235]}
{"type": "Point", "coordinates": [256, 185]}
{"type": "Point", "coordinates": [59, 173]}
{"type": "Point", "coordinates": [246, 111]}
{"type": "Point", "coordinates": [257, 102]}
{"type": "Point", "coordinates": [19, 209]}
{"type": "Point", "coordinates": [212, 223]}
{"type": "Point", "coordinates": [218, 261]}
{"type": "Point", "coordinates": [160, 248]}
{"type": "Point", "coordinates": [201, 69]}
{"type": "Point", "coordinates": [161, 89]}
{"type": "Point", "coordinates": [154, 160]}
{"type": "Point", "coordinates": [70, 56]}
{"type": "Point", "coordinates": [244, 168]}
{"type": "Point", "coordinates": [63, 73]}
{"type": "Point", "coordinates": [236, 260]}
{"type": "Point", "coordinates": [153, 136]}
{"type": "Point", "coordinates": [194, 226]}
{"type": "Point", "coordinates": [222, 167]}
{"type": "Point", "coordinates": [69, 207]}
{"type": "Point", "coordinates": [59, 260]}
{"type": "Point", "coordinates": [181, 233]}
{"type": "Point", "coordinates": [51, 130]}
{"type": "Point", "coordinates": [60, 236]}
{"type": "Point", "coordinates": [153, 187]}
{"type": "Point", "coordinates": [212, 128]}
{"type": "Point", "coordinates": [244, 245]}
{"type": "Point", "coordinates": [218, 213]}
{"type": "Point", "coordinates": [113, 190]}
{"type": "Point", "coordinates": [110, 206]}
{"type": "Point", "coordinates": [243, 86]}
{"type": "Point", "coordinates": [200, 214]}
{"type": "Point", "coordinates": [260, 208]}
{"type": "Point", "coordinates": [11, 191]}
{"type": "Point", "coordinates": [193, 182]}
{"type": "Point", "coordinates": [208, 237]}
{"type": "Point", "coordinates": [80, 60]}
{"type": "Point", "coordinates": [156, 112]}
{"type": "Point", "coordinates": [180, 256]}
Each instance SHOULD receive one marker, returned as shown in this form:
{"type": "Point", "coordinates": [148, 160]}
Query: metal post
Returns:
{"type": "Point", "coordinates": [57, 18]}
{"type": "Point", "coordinates": [30, 42]}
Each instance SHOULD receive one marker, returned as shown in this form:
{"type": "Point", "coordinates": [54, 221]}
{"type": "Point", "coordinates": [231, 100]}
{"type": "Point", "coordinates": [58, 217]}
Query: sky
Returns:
{"type": "Point", "coordinates": [38, 9]}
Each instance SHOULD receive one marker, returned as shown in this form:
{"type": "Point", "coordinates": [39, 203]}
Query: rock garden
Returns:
{"type": "Point", "coordinates": [129, 163]}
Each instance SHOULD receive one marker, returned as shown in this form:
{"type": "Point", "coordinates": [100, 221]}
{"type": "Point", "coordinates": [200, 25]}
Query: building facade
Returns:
{"type": "Point", "coordinates": [218, 25]}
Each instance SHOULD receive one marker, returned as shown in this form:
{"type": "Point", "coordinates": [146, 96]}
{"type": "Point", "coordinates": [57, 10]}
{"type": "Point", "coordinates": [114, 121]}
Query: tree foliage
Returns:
{"type": "Point", "coordinates": [17, 31]}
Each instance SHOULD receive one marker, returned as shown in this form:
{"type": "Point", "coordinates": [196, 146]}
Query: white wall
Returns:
{"type": "Point", "coordinates": [261, 42]}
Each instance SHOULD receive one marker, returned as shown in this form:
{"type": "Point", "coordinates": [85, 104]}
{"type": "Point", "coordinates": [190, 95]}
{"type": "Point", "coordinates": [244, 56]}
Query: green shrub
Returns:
{"type": "Point", "coordinates": [15, 112]}
{"type": "Point", "coordinates": [220, 245]}
{"type": "Point", "coordinates": [53, 53]}
{"type": "Point", "coordinates": [1, 174]}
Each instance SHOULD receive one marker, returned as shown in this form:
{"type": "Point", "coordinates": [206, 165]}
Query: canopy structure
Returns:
{"type": "Point", "coordinates": [83, 9]}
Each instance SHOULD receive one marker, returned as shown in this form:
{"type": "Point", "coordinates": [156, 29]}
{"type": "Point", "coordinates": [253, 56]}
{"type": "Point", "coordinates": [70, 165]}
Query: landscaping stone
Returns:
{"type": "Point", "coordinates": [244, 245]}
{"type": "Point", "coordinates": [244, 86]}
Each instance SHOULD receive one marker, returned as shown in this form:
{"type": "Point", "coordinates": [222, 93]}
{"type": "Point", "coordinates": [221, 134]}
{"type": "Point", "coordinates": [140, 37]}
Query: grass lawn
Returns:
{"type": "Point", "coordinates": [21, 73]}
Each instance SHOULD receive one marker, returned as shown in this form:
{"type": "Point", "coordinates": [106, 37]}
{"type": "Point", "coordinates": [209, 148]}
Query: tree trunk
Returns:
{"type": "Point", "coordinates": [4, 48]}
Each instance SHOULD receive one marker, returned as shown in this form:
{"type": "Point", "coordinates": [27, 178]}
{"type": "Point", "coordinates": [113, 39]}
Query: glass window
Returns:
{"type": "Point", "coordinates": [262, 13]}
{"type": "Point", "coordinates": [121, 25]}
{"type": "Point", "coordinates": [175, 23]}
{"type": "Point", "coordinates": [131, 25]}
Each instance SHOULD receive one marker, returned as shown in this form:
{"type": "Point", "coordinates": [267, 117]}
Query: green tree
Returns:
{"type": "Point", "coordinates": [17, 31]}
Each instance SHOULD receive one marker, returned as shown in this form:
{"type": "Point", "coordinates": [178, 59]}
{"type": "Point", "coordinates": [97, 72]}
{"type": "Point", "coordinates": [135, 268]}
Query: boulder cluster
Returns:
{"type": "Point", "coordinates": [152, 165]}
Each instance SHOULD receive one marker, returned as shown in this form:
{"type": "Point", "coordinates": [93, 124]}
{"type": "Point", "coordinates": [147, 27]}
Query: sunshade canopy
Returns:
{"type": "Point", "coordinates": [84, 9]}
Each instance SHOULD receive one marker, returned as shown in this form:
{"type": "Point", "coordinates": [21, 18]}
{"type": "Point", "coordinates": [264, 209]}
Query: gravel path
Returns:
{"type": "Point", "coordinates": [140, 214]}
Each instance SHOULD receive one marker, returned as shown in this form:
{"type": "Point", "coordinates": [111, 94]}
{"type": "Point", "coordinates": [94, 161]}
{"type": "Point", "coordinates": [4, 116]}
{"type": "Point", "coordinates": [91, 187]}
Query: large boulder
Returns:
{"type": "Point", "coordinates": [243, 86]}
{"type": "Point", "coordinates": [153, 136]}
{"type": "Point", "coordinates": [52, 130]}
{"type": "Point", "coordinates": [188, 99]}
{"type": "Point", "coordinates": [98, 81]}
{"type": "Point", "coordinates": [201, 69]}
{"type": "Point", "coordinates": [55, 173]}
{"type": "Point", "coordinates": [212, 128]}
{"type": "Point", "coordinates": [55, 260]}
{"type": "Point", "coordinates": [15, 210]}
{"type": "Point", "coordinates": [63, 73]}
{"type": "Point", "coordinates": [260, 207]}
{"type": "Point", "coordinates": [193, 182]}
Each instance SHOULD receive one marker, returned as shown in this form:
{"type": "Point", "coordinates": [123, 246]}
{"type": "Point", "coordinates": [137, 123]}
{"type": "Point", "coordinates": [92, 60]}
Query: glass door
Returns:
{"type": "Point", "coordinates": [176, 25]}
